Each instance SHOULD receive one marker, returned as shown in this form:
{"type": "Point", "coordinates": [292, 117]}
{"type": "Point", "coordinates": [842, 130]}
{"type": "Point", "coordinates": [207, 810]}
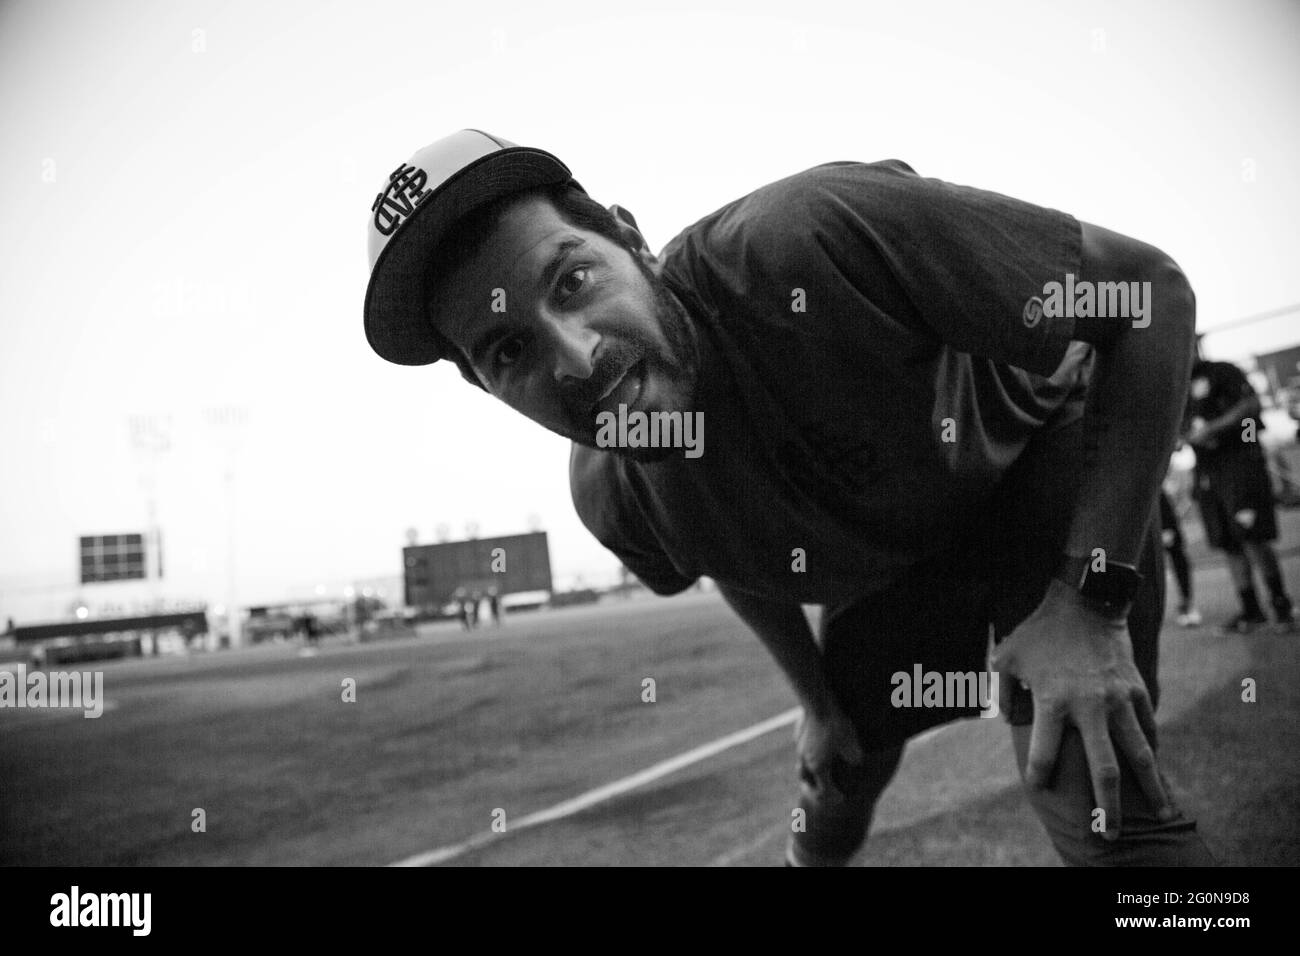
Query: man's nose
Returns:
{"type": "Point", "coordinates": [574, 346]}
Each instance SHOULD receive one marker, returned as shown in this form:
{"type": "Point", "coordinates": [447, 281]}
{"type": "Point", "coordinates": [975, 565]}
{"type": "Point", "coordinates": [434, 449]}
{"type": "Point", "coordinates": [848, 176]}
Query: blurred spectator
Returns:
{"type": "Point", "coordinates": [311, 627]}
{"type": "Point", "coordinates": [1171, 533]}
{"type": "Point", "coordinates": [475, 607]}
{"type": "Point", "coordinates": [462, 608]}
{"type": "Point", "coordinates": [1233, 489]}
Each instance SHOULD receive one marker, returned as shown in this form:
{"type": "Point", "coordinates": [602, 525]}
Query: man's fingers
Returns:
{"type": "Point", "coordinates": [1044, 744]}
{"type": "Point", "coordinates": [1132, 741]}
{"type": "Point", "coordinates": [1003, 660]}
{"type": "Point", "coordinates": [1006, 687]}
{"type": "Point", "coordinates": [1146, 716]}
{"type": "Point", "coordinates": [1103, 767]}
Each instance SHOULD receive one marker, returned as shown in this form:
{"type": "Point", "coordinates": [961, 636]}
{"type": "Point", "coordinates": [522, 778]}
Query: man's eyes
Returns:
{"type": "Point", "coordinates": [509, 351]}
{"type": "Point", "coordinates": [512, 347]}
{"type": "Point", "coordinates": [572, 281]}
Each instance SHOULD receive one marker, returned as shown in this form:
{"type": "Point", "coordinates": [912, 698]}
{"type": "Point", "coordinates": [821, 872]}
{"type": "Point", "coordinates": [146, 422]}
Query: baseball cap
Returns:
{"type": "Point", "coordinates": [417, 205]}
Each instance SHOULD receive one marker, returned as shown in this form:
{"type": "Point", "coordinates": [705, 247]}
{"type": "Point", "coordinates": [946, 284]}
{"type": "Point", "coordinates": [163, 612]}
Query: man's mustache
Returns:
{"type": "Point", "coordinates": [611, 364]}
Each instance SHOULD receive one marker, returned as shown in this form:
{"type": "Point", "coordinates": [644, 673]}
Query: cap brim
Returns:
{"type": "Point", "coordinates": [397, 319]}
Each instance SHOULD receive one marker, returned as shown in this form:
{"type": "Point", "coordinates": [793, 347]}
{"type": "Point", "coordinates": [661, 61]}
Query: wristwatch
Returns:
{"type": "Point", "coordinates": [1110, 591]}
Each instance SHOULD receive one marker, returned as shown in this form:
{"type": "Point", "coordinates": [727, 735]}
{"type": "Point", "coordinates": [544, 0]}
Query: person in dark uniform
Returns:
{"type": "Point", "coordinates": [1171, 534]}
{"type": "Point", "coordinates": [928, 412]}
{"type": "Point", "coordinates": [1233, 489]}
{"type": "Point", "coordinates": [463, 609]}
{"type": "Point", "coordinates": [310, 626]}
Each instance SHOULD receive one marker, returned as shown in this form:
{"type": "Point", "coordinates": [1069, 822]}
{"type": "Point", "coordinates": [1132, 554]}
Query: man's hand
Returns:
{"type": "Point", "coordinates": [1079, 667]}
{"type": "Point", "coordinates": [819, 740]}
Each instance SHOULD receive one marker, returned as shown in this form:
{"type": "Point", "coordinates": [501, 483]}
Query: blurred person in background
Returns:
{"type": "Point", "coordinates": [1171, 534]}
{"type": "Point", "coordinates": [1233, 489]}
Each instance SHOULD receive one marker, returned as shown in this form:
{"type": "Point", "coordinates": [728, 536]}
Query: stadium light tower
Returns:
{"type": "Point", "coordinates": [226, 425]}
{"type": "Point", "coordinates": [151, 439]}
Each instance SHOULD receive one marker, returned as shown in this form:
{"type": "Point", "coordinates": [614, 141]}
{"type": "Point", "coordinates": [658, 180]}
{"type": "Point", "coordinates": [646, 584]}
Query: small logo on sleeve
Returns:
{"type": "Point", "coordinates": [395, 204]}
{"type": "Point", "coordinates": [1033, 313]}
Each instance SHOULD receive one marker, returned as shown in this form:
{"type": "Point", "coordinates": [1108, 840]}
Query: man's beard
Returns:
{"type": "Point", "coordinates": [675, 324]}
{"type": "Point", "coordinates": [678, 364]}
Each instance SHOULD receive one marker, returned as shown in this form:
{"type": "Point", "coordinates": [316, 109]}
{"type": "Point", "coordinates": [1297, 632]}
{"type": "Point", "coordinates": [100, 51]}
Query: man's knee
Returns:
{"type": "Point", "coordinates": [830, 825]}
{"type": "Point", "coordinates": [1076, 825]}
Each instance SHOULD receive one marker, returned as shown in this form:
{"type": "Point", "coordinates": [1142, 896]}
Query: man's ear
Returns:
{"type": "Point", "coordinates": [467, 371]}
{"type": "Point", "coordinates": [631, 233]}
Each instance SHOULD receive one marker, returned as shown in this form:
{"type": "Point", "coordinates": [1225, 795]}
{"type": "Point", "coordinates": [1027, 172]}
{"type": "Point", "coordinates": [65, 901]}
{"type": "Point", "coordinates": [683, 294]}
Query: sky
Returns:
{"type": "Point", "coordinates": [185, 186]}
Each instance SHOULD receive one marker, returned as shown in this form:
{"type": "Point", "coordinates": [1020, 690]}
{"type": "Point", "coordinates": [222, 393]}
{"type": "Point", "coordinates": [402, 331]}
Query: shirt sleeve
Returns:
{"type": "Point", "coordinates": [608, 509]}
{"type": "Point", "coordinates": [880, 251]}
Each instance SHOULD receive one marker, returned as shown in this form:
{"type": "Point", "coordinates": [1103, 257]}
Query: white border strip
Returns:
{"type": "Point", "coordinates": [607, 792]}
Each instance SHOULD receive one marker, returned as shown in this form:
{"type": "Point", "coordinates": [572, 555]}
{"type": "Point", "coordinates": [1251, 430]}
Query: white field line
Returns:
{"type": "Point", "coordinates": [607, 792]}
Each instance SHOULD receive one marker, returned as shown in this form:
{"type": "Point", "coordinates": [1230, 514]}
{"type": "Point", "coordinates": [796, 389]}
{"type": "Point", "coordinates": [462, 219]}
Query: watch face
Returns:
{"type": "Point", "coordinates": [1115, 585]}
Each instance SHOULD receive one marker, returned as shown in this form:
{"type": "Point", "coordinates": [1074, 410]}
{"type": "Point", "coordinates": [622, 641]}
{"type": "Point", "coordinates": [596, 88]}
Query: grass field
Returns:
{"type": "Point", "coordinates": [446, 729]}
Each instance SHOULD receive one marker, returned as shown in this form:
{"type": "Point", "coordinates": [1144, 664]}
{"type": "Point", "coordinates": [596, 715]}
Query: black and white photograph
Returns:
{"type": "Point", "coordinates": [452, 435]}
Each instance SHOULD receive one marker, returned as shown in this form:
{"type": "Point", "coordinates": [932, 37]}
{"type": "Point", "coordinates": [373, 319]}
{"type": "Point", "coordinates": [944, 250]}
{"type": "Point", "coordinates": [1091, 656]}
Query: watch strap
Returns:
{"type": "Point", "coordinates": [1110, 590]}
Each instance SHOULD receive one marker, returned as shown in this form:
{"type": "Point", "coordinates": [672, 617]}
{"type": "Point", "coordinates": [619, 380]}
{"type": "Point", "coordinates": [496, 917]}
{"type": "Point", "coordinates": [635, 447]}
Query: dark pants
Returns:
{"type": "Point", "coordinates": [1171, 535]}
{"type": "Point", "coordinates": [1228, 488]}
{"type": "Point", "coordinates": [940, 617]}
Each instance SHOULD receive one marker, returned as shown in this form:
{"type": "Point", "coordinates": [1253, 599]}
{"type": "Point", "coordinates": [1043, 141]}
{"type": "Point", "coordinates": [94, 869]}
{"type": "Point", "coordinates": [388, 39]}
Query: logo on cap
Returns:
{"type": "Point", "coordinates": [396, 203]}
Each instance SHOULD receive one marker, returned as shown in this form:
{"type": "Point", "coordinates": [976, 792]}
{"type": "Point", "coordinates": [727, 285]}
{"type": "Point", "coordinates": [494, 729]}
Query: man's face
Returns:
{"type": "Point", "coordinates": [562, 324]}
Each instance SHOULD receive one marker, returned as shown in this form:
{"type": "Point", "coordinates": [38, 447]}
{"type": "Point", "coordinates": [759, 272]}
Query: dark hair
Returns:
{"type": "Point", "coordinates": [468, 236]}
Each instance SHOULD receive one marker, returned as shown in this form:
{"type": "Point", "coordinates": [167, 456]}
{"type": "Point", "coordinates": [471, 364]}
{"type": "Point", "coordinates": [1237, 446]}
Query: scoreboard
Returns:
{"type": "Point", "coordinates": [112, 557]}
{"type": "Point", "coordinates": [432, 573]}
